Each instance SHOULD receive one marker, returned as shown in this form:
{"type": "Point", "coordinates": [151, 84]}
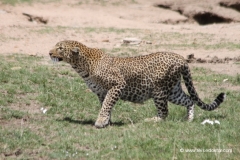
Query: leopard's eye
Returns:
{"type": "Point", "coordinates": [61, 48]}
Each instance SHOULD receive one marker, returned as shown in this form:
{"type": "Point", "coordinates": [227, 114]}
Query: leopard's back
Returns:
{"type": "Point", "coordinates": [143, 74]}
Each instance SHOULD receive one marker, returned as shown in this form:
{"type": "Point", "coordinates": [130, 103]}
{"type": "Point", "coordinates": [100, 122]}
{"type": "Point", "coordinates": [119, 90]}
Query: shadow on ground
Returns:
{"type": "Point", "coordinates": [89, 122]}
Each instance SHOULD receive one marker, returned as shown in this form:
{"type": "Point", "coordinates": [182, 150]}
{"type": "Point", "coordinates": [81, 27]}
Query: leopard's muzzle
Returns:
{"type": "Point", "coordinates": [55, 58]}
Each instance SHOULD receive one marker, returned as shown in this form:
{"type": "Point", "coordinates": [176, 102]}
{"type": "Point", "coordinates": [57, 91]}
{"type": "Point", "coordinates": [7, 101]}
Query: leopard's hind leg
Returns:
{"type": "Point", "coordinates": [179, 97]}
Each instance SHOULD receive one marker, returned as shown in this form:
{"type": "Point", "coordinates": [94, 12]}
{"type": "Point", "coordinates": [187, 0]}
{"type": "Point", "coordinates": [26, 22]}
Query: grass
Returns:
{"type": "Point", "coordinates": [107, 3]}
{"type": "Point", "coordinates": [166, 40]}
{"type": "Point", "coordinates": [170, 41]}
{"type": "Point", "coordinates": [15, 2]}
{"type": "Point", "coordinates": [58, 29]}
{"type": "Point", "coordinates": [66, 130]}
{"type": "Point", "coordinates": [196, 41]}
{"type": "Point", "coordinates": [96, 2]}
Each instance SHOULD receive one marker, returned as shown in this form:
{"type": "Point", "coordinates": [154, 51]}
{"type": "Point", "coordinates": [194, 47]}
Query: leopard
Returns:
{"type": "Point", "coordinates": [156, 76]}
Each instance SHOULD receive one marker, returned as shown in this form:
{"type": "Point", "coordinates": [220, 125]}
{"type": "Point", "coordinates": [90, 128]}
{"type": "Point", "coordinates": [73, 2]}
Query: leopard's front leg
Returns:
{"type": "Point", "coordinates": [110, 100]}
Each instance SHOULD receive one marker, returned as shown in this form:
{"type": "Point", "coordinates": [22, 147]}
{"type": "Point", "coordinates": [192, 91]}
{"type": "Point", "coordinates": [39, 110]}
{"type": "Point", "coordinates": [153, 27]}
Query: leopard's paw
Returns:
{"type": "Point", "coordinates": [102, 122]}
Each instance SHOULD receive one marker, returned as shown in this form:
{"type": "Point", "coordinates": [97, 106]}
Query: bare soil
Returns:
{"type": "Point", "coordinates": [28, 34]}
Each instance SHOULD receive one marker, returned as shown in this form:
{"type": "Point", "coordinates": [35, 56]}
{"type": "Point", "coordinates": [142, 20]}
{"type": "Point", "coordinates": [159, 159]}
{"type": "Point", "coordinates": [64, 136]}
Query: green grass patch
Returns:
{"type": "Point", "coordinates": [82, 30]}
{"type": "Point", "coordinates": [14, 2]}
{"type": "Point", "coordinates": [66, 130]}
{"type": "Point", "coordinates": [110, 30]}
{"type": "Point", "coordinates": [176, 41]}
{"type": "Point", "coordinates": [161, 40]}
{"type": "Point", "coordinates": [107, 3]}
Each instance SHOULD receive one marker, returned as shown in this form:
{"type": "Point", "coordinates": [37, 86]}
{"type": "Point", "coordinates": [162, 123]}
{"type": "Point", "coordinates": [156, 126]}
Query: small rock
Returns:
{"type": "Point", "coordinates": [33, 54]}
{"type": "Point", "coordinates": [105, 40]}
{"type": "Point", "coordinates": [191, 58]}
{"type": "Point", "coordinates": [131, 41]}
{"type": "Point", "coordinates": [201, 60]}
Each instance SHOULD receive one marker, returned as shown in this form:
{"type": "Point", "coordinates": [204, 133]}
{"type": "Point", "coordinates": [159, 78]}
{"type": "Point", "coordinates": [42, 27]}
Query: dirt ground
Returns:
{"type": "Point", "coordinates": [19, 35]}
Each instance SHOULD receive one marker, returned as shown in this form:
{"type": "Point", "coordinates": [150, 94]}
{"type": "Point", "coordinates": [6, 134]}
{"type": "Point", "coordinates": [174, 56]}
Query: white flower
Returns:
{"type": "Point", "coordinates": [225, 80]}
{"type": "Point", "coordinates": [114, 147]}
{"type": "Point", "coordinates": [207, 121]}
{"type": "Point", "coordinates": [216, 121]}
{"type": "Point", "coordinates": [210, 122]}
{"type": "Point", "coordinates": [43, 110]}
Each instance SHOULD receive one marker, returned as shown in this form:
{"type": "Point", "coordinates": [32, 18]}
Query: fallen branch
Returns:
{"type": "Point", "coordinates": [37, 19]}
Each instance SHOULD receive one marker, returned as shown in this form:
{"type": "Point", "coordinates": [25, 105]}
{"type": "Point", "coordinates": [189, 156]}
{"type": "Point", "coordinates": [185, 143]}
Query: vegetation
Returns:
{"type": "Point", "coordinates": [98, 2]}
{"type": "Point", "coordinates": [66, 131]}
{"type": "Point", "coordinates": [47, 112]}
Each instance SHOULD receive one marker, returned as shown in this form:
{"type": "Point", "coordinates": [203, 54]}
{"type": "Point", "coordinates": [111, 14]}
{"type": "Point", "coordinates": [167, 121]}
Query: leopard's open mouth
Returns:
{"type": "Point", "coordinates": [56, 59]}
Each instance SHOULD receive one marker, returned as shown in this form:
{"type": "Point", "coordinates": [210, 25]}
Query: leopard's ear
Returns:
{"type": "Point", "coordinates": [75, 50]}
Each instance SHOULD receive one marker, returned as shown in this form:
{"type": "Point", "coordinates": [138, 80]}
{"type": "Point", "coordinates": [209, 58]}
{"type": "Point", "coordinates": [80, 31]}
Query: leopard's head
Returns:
{"type": "Point", "coordinates": [65, 51]}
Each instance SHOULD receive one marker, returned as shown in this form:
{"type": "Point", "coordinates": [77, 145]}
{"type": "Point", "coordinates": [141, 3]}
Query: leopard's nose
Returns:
{"type": "Point", "coordinates": [50, 53]}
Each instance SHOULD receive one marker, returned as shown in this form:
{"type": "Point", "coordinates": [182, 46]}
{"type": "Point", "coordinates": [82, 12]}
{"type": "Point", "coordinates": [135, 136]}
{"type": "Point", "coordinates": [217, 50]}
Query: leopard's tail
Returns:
{"type": "Point", "coordinates": [193, 94]}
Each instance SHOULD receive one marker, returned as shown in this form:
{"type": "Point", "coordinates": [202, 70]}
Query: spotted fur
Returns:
{"type": "Point", "coordinates": [135, 79]}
